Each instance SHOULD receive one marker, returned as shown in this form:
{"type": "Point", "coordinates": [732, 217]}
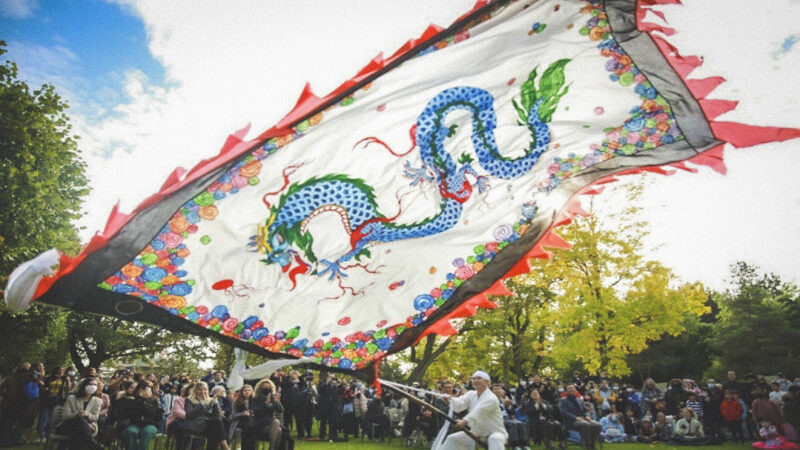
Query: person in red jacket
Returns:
{"type": "Point", "coordinates": [732, 411]}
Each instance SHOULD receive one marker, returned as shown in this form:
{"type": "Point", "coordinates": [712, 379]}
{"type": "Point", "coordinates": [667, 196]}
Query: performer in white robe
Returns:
{"type": "Point", "coordinates": [484, 418]}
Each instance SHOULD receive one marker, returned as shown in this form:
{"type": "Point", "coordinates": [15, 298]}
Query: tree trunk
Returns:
{"type": "Point", "coordinates": [428, 356]}
{"type": "Point", "coordinates": [73, 352]}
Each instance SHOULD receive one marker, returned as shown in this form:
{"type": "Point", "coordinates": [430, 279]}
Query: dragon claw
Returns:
{"type": "Point", "coordinates": [482, 181]}
{"type": "Point", "coordinates": [333, 267]}
{"type": "Point", "coordinates": [416, 175]}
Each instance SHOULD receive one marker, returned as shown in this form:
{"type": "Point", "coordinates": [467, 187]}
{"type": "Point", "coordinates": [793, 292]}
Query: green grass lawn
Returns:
{"type": "Point", "coordinates": [398, 443]}
{"type": "Point", "coordinates": [357, 444]}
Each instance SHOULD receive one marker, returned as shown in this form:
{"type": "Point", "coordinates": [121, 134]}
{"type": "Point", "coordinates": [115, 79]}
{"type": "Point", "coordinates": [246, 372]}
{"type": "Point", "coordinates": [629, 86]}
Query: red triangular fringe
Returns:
{"type": "Point", "coordinates": [306, 104]}
{"type": "Point", "coordinates": [712, 158]}
{"type": "Point", "coordinates": [742, 135]}
{"type": "Point", "coordinates": [715, 108]}
{"type": "Point", "coordinates": [701, 87]}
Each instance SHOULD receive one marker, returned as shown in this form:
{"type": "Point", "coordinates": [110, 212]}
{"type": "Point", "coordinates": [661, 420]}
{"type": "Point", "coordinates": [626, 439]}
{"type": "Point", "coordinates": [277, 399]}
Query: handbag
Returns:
{"type": "Point", "coordinates": [348, 408]}
{"type": "Point", "coordinates": [196, 425]}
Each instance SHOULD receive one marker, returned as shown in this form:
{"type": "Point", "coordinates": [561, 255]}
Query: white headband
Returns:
{"type": "Point", "coordinates": [482, 374]}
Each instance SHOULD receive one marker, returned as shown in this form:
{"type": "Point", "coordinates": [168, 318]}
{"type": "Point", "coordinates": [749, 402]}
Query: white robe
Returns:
{"type": "Point", "coordinates": [484, 419]}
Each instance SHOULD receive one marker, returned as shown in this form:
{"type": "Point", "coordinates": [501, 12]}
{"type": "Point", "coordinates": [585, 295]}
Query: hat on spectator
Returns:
{"type": "Point", "coordinates": [482, 375]}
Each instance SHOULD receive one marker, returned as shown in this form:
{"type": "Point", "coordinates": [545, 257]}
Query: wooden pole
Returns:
{"type": "Point", "coordinates": [438, 411]}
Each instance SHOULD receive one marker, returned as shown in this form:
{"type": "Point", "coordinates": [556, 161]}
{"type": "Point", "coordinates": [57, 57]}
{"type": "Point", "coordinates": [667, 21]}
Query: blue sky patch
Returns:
{"type": "Point", "coordinates": [83, 47]}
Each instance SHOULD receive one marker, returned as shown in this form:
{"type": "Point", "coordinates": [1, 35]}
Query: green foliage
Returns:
{"type": "Point", "coordinates": [757, 330]}
{"type": "Point", "coordinates": [613, 302]}
{"type": "Point", "coordinates": [588, 307]}
{"type": "Point", "coordinates": [42, 176]}
{"type": "Point", "coordinates": [37, 335]}
{"type": "Point", "coordinates": [42, 182]}
{"type": "Point", "coordinates": [95, 339]}
{"type": "Point", "coordinates": [688, 354]}
{"type": "Point", "coordinates": [512, 340]}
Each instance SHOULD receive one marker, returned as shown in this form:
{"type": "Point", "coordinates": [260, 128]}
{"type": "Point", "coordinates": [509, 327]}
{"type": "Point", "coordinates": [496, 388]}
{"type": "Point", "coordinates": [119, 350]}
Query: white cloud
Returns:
{"type": "Point", "coordinates": [18, 9]}
{"type": "Point", "coordinates": [40, 64]}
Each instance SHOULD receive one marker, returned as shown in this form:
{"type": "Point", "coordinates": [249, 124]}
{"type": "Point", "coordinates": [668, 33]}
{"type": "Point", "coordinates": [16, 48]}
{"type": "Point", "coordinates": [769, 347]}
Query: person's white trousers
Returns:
{"type": "Point", "coordinates": [460, 440]}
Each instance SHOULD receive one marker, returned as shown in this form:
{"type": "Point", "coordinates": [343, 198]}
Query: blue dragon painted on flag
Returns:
{"type": "Point", "coordinates": [284, 236]}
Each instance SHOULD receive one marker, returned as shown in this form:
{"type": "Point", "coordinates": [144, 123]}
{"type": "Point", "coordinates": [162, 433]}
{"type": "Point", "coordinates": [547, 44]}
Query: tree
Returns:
{"type": "Point", "coordinates": [38, 335]}
{"type": "Point", "coordinates": [687, 354]}
{"type": "Point", "coordinates": [95, 339]}
{"type": "Point", "coordinates": [42, 183]}
{"type": "Point", "coordinates": [423, 354]}
{"type": "Point", "coordinates": [593, 306]}
{"type": "Point", "coordinates": [757, 329]}
{"type": "Point", "coordinates": [42, 176]}
{"type": "Point", "coordinates": [612, 302]}
{"type": "Point", "coordinates": [513, 339]}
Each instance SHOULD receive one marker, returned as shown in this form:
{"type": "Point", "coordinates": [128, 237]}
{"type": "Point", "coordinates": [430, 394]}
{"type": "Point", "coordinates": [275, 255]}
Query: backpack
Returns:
{"type": "Point", "coordinates": [30, 390]}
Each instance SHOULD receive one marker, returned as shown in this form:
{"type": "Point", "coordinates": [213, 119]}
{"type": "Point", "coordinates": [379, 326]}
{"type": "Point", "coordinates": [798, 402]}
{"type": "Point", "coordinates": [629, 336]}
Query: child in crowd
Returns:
{"type": "Point", "coordinates": [695, 405]}
{"type": "Point", "coordinates": [631, 424]}
{"type": "Point", "coordinates": [664, 430]}
{"type": "Point", "coordinates": [732, 411]}
{"type": "Point", "coordinates": [770, 438]}
{"type": "Point", "coordinates": [647, 434]}
{"type": "Point", "coordinates": [613, 431]}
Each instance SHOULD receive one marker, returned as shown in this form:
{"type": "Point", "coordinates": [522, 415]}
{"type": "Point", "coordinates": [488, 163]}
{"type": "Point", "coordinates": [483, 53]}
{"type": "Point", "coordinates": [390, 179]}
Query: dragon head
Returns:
{"type": "Point", "coordinates": [271, 243]}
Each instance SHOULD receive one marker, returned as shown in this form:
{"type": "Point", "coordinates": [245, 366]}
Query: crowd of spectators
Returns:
{"type": "Point", "coordinates": [131, 408]}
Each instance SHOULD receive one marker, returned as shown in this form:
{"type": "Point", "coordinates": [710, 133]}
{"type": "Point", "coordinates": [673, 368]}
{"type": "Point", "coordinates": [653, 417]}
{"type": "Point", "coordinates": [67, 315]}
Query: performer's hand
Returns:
{"type": "Point", "coordinates": [460, 424]}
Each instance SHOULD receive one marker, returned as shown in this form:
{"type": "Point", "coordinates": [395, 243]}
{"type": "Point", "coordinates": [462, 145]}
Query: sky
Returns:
{"type": "Point", "coordinates": [153, 85]}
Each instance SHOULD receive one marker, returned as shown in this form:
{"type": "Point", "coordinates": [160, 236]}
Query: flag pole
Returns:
{"type": "Point", "coordinates": [476, 438]}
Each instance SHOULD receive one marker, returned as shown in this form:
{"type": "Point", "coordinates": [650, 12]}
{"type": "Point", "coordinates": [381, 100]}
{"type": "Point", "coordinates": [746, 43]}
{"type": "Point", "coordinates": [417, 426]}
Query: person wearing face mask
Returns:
{"type": "Point", "coordinates": [543, 424]}
{"type": "Point", "coordinates": [522, 391]}
{"type": "Point", "coordinates": [605, 399]}
{"type": "Point", "coordinates": [263, 426]}
{"type": "Point", "coordinates": [575, 417]}
{"type": "Point", "coordinates": [292, 401]}
{"type": "Point", "coordinates": [621, 404]}
{"type": "Point", "coordinates": [547, 391]}
{"type": "Point", "coordinates": [308, 400]}
{"type": "Point", "coordinates": [79, 418]}
{"type": "Point", "coordinates": [633, 401]}
{"type": "Point", "coordinates": [72, 374]}
{"type": "Point", "coordinates": [143, 418]}
{"type": "Point", "coordinates": [675, 397]}
{"type": "Point", "coordinates": [712, 396]}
